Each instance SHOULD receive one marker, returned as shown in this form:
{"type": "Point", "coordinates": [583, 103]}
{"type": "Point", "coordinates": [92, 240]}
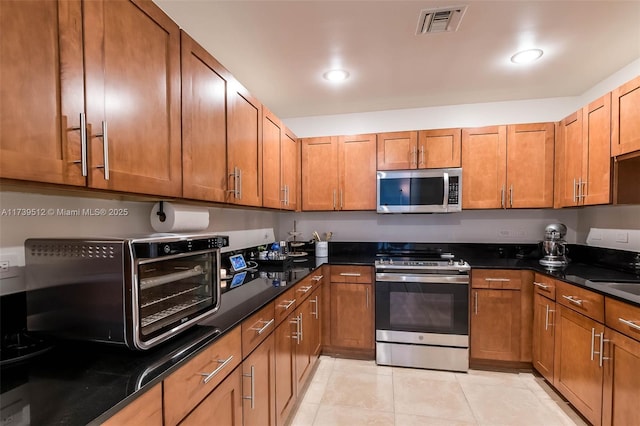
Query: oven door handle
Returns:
{"type": "Point", "coordinates": [422, 278]}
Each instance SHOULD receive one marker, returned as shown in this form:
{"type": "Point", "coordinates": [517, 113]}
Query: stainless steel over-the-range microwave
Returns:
{"type": "Point", "coordinates": [419, 191]}
{"type": "Point", "coordinates": [136, 292]}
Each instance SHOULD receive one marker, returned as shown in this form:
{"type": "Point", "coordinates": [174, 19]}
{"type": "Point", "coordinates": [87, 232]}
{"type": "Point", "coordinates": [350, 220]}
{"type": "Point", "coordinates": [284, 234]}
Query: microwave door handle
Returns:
{"type": "Point", "coordinates": [445, 202]}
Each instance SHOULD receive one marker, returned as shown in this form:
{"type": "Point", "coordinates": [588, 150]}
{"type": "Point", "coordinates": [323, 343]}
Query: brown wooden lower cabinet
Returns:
{"type": "Point", "coordinates": [285, 360]}
{"type": "Point", "coordinates": [578, 372]}
{"type": "Point", "coordinates": [144, 411]}
{"type": "Point", "coordinates": [621, 379]}
{"type": "Point", "coordinates": [544, 310]}
{"type": "Point", "coordinates": [352, 320]}
{"type": "Point", "coordinates": [223, 406]}
{"type": "Point", "coordinates": [259, 385]}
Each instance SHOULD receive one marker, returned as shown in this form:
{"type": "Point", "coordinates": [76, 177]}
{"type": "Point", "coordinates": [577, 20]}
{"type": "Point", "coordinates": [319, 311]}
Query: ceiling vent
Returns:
{"type": "Point", "coordinates": [440, 20]}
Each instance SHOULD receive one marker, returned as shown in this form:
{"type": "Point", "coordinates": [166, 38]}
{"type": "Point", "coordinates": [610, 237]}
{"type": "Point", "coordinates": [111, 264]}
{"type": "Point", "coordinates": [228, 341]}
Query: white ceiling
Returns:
{"type": "Point", "coordinates": [280, 49]}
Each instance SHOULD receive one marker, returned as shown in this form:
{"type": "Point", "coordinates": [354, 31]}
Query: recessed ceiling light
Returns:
{"type": "Point", "coordinates": [526, 56]}
{"type": "Point", "coordinates": [336, 75]}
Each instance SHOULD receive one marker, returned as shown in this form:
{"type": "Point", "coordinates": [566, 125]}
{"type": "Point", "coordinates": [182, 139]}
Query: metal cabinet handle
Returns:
{"type": "Point", "coordinates": [475, 303]}
{"type": "Point", "coordinates": [296, 334]}
{"type": "Point", "coordinates": [83, 144]}
{"type": "Point", "coordinates": [629, 323]}
{"type": "Point", "coordinates": [511, 196]}
{"type": "Point", "coordinates": [315, 313]}
{"type": "Point", "coordinates": [251, 396]}
{"type": "Point", "coordinates": [350, 274]}
{"type": "Point", "coordinates": [414, 155]}
{"type": "Point", "coordinates": [105, 150]}
{"type": "Point", "coordinates": [223, 363]}
{"type": "Point", "coordinates": [305, 289]}
{"type": "Point", "coordinates": [574, 191]}
{"type": "Point", "coordinates": [240, 183]}
{"type": "Point", "coordinates": [289, 304]}
{"type": "Point", "coordinates": [236, 182]}
{"type": "Point", "coordinates": [542, 286]}
{"type": "Point", "coordinates": [583, 189]}
{"type": "Point", "coordinates": [422, 155]}
{"type": "Point", "coordinates": [601, 352]}
{"type": "Point", "coordinates": [593, 338]}
{"type": "Point", "coordinates": [573, 300]}
{"type": "Point", "coordinates": [317, 277]}
{"type": "Point", "coordinates": [546, 319]}
{"type": "Point", "coordinates": [498, 279]}
{"type": "Point", "coordinates": [300, 329]}
{"type": "Point", "coordinates": [259, 331]}
{"type": "Point", "coordinates": [284, 195]}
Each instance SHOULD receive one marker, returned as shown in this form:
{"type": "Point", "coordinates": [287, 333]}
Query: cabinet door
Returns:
{"type": "Point", "coordinates": [272, 188]}
{"type": "Point", "coordinates": [290, 169]}
{"type": "Point", "coordinates": [320, 173]}
{"type": "Point", "coordinates": [571, 164]}
{"type": "Point", "coordinates": [204, 124]}
{"type": "Point", "coordinates": [304, 344]}
{"type": "Point", "coordinates": [439, 148]}
{"type": "Point", "coordinates": [244, 146]}
{"type": "Point", "coordinates": [530, 156]}
{"type": "Point", "coordinates": [146, 410]}
{"type": "Point", "coordinates": [397, 150]}
{"type": "Point", "coordinates": [577, 373]}
{"type": "Point", "coordinates": [357, 172]}
{"type": "Point", "coordinates": [224, 404]}
{"type": "Point", "coordinates": [495, 325]}
{"type": "Point", "coordinates": [621, 380]}
{"type": "Point", "coordinates": [132, 64]}
{"type": "Point", "coordinates": [484, 167]}
{"type": "Point", "coordinates": [596, 159]}
{"type": "Point", "coordinates": [543, 335]}
{"type": "Point", "coordinates": [315, 300]}
{"type": "Point", "coordinates": [625, 118]}
{"type": "Point", "coordinates": [40, 106]}
{"type": "Point", "coordinates": [259, 385]}
{"type": "Point", "coordinates": [285, 341]}
{"type": "Point", "coordinates": [352, 323]}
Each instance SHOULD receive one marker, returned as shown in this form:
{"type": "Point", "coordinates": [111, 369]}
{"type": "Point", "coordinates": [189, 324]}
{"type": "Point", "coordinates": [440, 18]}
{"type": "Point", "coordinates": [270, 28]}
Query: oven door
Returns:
{"type": "Point", "coordinates": [422, 303]}
{"type": "Point", "coordinates": [172, 293]}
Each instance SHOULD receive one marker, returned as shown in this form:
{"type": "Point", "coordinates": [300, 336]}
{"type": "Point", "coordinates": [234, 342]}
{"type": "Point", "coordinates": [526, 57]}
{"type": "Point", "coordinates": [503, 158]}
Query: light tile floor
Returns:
{"type": "Point", "coordinates": [354, 393]}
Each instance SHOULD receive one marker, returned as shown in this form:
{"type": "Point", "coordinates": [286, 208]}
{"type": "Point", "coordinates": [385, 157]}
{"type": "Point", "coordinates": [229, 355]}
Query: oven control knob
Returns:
{"type": "Point", "coordinates": [450, 262]}
{"type": "Point", "coordinates": [461, 262]}
{"type": "Point", "coordinates": [390, 261]}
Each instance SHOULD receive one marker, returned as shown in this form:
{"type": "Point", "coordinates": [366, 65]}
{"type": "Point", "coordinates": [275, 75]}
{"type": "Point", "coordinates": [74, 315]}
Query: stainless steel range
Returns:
{"type": "Point", "coordinates": [422, 310]}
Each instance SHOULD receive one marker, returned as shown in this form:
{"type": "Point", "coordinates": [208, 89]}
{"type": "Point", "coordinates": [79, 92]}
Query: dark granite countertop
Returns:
{"type": "Point", "coordinates": [81, 383]}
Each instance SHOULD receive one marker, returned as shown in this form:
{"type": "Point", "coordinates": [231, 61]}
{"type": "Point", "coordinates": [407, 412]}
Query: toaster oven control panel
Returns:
{"type": "Point", "coordinates": [152, 249]}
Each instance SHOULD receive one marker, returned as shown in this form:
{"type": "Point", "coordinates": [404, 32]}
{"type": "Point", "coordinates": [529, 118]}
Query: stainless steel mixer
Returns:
{"type": "Point", "coordinates": [554, 246]}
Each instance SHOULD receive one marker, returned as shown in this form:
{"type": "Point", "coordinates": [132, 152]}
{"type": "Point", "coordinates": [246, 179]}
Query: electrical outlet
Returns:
{"type": "Point", "coordinates": [622, 237]}
{"type": "Point", "coordinates": [4, 265]}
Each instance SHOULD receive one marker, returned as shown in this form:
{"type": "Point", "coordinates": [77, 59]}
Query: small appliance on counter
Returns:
{"type": "Point", "coordinates": [554, 247]}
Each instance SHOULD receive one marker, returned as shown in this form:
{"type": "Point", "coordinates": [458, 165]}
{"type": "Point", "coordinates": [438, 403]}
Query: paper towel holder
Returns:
{"type": "Point", "coordinates": [162, 215]}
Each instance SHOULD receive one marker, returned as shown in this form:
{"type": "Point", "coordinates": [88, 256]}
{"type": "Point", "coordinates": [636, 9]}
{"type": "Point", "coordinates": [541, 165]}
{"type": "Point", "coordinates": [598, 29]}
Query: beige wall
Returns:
{"type": "Point", "coordinates": [608, 217]}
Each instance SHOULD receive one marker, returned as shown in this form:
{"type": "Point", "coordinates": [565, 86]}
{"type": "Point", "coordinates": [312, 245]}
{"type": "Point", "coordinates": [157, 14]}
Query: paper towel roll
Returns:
{"type": "Point", "coordinates": [179, 218]}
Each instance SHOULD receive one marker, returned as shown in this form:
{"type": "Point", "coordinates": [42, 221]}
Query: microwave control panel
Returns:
{"type": "Point", "coordinates": [453, 190]}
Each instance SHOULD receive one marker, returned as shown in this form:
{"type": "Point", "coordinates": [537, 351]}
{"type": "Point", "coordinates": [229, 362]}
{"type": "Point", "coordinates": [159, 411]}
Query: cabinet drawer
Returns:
{"type": "Point", "coordinates": [304, 288]}
{"type": "Point", "coordinates": [185, 388]}
{"type": "Point", "coordinates": [496, 279]}
{"type": "Point", "coordinates": [284, 305]}
{"type": "Point", "coordinates": [580, 300]}
{"type": "Point", "coordinates": [544, 286]}
{"type": "Point", "coordinates": [256, 328]}
{"type": "Point", "coordinates": [622, 317]}
{"type": "Point", "coordinates": [351, 274]}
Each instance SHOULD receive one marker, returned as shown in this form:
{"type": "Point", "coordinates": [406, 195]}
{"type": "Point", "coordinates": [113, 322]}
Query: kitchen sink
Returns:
{"type": "Point", "coordinates": [633, 288]}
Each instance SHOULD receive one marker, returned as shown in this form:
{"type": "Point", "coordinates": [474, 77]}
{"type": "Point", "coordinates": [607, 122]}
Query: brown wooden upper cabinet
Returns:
{"type": "Point", "coordinates": [204, 124]}
{"type": "Point", "coordinates": [508, 166]}
{"type": "Point", "coordinates": [127, 135]}
{"type": "Point", "coordinates": [244, 146]}
{"type": "Point", "coordinates": [279, 163]}
{"type": "Point", "coordinates": [339, 173]}
{"type": "Point", "coordinates": [625, 113]}
{"type": "Point", "coordinates": [584, 164]}
{"type": "Point", "coordinates": [426, 149]}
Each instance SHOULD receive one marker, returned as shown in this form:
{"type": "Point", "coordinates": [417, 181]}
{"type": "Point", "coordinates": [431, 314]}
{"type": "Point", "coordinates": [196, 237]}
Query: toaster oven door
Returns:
{"type": "Point", "coordinates": [172, 293]}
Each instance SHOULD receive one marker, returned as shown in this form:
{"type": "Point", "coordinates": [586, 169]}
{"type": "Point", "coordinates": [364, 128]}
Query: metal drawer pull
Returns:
{"type": "Point", "coordinates": [498, 279]}
{"type": "Point", "coordinates": [251, 397]}
{"type": "Point", "coordinates": [266, 325]}
{"type": "Point", "coordinates": [289, 304]}
{"type": "Point", "coordinates": [593, 338]}
{"type": "Point", "coordinates": [296, 335]}
{"type": "Point", "coordinates": [83, 143]}
{"type": "Point", "coordinates": [542, 286]}
{"type": "Point", "coordinates": [573, 300]}
{"type": "Point", "coordinates": [105, 150]}
{"type": "Point", "coordinates": [305, 289]}
{"type": "Point", "coordinates": [315, 313]}
{"type": "Point", "coordinates": [223, 363]}
{"type": "Point", "coordinates": [350, 274]}
{"type": "Point", "coordinates": [317, 277]}
{"type": "Point", "coordinates": [629, 323]}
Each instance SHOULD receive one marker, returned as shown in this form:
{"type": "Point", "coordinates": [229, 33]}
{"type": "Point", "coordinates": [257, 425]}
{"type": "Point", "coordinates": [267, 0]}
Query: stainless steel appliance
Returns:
{"type": "Point", "coordinates": [554, 246]}
{"type": "Point", "coordinates": [419, 191]}
{"type": "Point", "coordinates": [422, 311]}
{"type": "Point", "coordinates": [136, 292]}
